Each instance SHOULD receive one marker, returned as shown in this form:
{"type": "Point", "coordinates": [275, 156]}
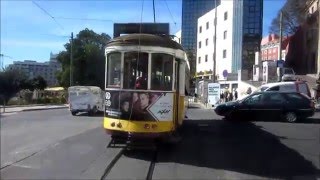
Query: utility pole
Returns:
{"type": "Point", "coordinates": [154, 12]}
{"type": "Point", "coordinates": [215, 42]}
{"type": "Point", "coordinates": [280, 42]}
{"type": "Point", "coordinates": [318, 63]}
{"type": "Point", "coordinates": [71, 59]}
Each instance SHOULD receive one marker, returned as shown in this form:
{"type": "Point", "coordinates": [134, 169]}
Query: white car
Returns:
{"type": "Point", "coordinates": [293, 86]}
{"type": "Point", "coordinates": [288, 74]}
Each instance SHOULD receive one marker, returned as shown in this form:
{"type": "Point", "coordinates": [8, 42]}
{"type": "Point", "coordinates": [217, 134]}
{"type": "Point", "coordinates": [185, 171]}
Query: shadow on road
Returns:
{"type": "Point", "coordinates": [241, 147]}
{"type": "Point", "coordinates": [98, 114]}
{"type": "Point", "coordinates": [310, 121]}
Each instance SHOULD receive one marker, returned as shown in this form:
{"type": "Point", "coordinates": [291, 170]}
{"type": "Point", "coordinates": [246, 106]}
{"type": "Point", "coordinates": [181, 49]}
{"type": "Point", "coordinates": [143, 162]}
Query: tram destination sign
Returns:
{"type": "Point", "coordinates": [148, 28]}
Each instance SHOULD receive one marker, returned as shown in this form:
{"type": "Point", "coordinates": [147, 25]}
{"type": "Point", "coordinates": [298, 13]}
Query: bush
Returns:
{"type": "Point", "coordinates": [55, 100]}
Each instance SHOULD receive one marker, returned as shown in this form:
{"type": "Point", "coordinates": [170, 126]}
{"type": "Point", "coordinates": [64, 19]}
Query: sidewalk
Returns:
{"type": "Point", "coordinates": [11, 109]}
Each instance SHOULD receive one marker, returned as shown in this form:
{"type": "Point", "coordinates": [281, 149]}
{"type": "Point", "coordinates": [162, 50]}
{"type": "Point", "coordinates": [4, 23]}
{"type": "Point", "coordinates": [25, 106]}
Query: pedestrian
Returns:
{"type": "Point", "coordinates": [226, 93]}
{"type": "Point", "coordinates": [230, 96]}
{"type": "Point", "coordinates": [235, 94]}
{"type": "Point", "coordinates": [249, 91]}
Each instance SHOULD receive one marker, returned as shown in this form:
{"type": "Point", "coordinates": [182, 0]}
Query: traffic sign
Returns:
{"type": "Point", "coordinates": [225, 73]}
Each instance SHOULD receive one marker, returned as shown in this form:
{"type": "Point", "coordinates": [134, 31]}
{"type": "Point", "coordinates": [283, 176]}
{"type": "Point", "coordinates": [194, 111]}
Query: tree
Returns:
{"type": "Point", "coordinates": [39, 83]}
{"type": "Point", "coordinates": [88, 60]}
{"type": "Point", "coordinates": [11, 82]}
{"type": "Point", "coordinates": [293, 16]}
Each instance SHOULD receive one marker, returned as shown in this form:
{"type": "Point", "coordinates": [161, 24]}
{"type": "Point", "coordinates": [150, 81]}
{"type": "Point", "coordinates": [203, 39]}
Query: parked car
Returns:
{"type": "Point", "coordinates": [289, 106]}
{"type": "Point", "coordinates": [296, 86]}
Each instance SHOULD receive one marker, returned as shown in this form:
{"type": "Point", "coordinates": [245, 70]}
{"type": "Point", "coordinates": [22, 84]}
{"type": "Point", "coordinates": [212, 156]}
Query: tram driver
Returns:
{"type": "Point", "coordinates": [142, 82]}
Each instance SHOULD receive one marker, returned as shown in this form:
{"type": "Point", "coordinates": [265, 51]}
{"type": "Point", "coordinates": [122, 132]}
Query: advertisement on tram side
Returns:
{"type": "Point", "coordinates": [139, 106]}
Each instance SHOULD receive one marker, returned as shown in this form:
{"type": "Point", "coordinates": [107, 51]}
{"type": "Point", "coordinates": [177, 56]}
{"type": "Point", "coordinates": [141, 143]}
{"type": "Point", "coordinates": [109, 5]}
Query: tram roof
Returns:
{"type": "Point", "coordinates": [145, 40]}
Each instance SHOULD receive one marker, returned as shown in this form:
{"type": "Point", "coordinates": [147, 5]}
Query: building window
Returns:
{"type": "Point", "coordinates": [225, 15]}
{"type": "Point", "coordinates": [224, 53]}
{"type": "Point", "coordinates": [200, 29]}
{"type": "Point", "coordinates": [207, 25]}
{"type": "Point", "coordinates": [199, 60]}
{"type": "Point", "coordinates": [199, 44]}
{"type": "Point", "coordinates": [206, 59]}
{"type": "Point", "coordinates": [225, 35]}
{"type": "Point", "coordinates": [207, 41]}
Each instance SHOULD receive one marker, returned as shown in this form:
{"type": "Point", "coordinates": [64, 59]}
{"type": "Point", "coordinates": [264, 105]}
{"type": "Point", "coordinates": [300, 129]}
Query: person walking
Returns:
{"type": "Point", "coordinates": [235, 94]}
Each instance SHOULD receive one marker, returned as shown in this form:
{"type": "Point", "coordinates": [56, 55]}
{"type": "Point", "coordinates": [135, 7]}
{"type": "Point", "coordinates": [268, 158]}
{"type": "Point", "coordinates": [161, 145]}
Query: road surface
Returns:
{"type": "Point", "coordinates": [53, 144]}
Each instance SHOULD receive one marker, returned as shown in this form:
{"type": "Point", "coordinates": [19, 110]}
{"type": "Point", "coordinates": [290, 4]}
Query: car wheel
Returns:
{"type": "Point", "coordinates": [74, 113]}
{"type": "Point", "coordinates": [290, 117]}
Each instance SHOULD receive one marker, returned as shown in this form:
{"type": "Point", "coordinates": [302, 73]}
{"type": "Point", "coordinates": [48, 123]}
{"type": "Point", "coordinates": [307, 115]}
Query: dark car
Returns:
{"type": "Point", "coordinates": [289, 106]}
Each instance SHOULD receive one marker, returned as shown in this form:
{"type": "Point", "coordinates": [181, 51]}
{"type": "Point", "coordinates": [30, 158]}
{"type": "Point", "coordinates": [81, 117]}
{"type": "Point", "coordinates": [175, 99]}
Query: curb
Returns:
{"type": "Point", "coordinates": [32, 105]}
{"type": "Point", "coordinates": [41, 109]}
{"type": "Point", "coordinates": [36, 109]}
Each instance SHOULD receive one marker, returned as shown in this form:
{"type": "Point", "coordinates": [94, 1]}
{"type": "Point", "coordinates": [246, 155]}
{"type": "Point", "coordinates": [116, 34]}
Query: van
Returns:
{"type": "Point", "coordinates": [296, 86]}
{"type": "Point", "coordinates": [88, 99]}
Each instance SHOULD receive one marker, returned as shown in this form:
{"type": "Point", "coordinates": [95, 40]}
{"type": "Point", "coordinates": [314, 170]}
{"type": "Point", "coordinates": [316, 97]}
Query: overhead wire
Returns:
{"type": "Point", "coordinates": [45, 11]}
{"type": "Point", "coordinates": [84, 19]}
{"type": "Point", "coordinates": [170, 13]}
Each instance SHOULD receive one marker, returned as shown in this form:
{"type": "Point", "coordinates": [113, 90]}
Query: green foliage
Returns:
{"type": "Point", "coordinates": [88, 60]}
{"type": "Point", "coordinates": [11, 82]}
{"type": "Point", "coordinates": [39, 83]}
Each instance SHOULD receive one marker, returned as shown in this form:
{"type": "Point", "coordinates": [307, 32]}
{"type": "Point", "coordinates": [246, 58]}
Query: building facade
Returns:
{"type": "Point", "coordinates": [177, 37]}
{"type": "Point", "coordinates": [270, 47]}
{"type": "Point", "coordinates": [304, 43]}
{"type": "Point", "coordinates": [191, 11]}
{"type": "Point", "coordinates": [239, 34]}
{"type": "Point", "coordinates": [311, 28]}
{"type": "Point", "coordinates": [47, 70]}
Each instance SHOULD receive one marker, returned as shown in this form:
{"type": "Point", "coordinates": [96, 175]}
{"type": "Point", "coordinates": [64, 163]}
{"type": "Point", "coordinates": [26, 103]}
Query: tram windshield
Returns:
{"type": "Point", "coordinates": [135, 70]}
{"type": "Point", "coordinates": [114, 70]}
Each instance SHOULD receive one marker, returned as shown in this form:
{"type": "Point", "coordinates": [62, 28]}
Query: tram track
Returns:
{"type": "Point", "coordinates": [152, 158]}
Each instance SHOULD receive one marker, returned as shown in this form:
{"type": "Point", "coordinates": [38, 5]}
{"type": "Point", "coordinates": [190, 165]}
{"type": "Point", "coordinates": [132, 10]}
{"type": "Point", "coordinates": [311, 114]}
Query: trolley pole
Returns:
{"type": "Point", "coordinates": [71, 59]}
{"type": "Point", "coordinates": [215, 42]}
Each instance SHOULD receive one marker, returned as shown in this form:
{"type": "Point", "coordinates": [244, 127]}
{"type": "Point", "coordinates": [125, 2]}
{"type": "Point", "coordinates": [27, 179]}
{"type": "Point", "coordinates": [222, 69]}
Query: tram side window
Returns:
{"type": "Point", "coordinates": [135, 70]}
{"type": "Point", "coordinates": [161, 72]}
{"type": "Point", "coordinates": [114, 70]}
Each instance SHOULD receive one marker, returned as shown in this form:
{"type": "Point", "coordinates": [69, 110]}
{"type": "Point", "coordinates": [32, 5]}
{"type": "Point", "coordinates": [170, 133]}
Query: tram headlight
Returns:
{"type": "Point", "coordinates": [147, 126]}
{"type": "Point", "coordinates": [154, 126]}
{"type": "Point", "coordinates": [119, 125]}
{"type": "Point", "coordinates": [113, 124]}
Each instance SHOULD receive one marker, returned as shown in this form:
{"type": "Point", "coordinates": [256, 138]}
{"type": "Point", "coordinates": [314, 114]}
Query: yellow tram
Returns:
{"type": "Point", "coordinates": [147, 77]}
